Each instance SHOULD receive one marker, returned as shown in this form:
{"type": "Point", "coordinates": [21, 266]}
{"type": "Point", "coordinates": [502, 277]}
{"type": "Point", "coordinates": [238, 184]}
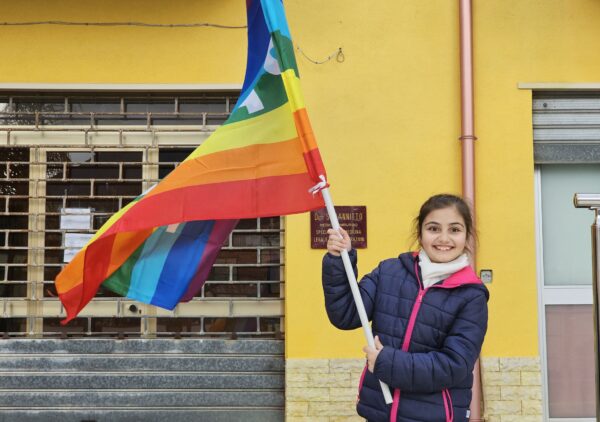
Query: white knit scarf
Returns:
{"type": "Point", "coordinates": [432, 272]}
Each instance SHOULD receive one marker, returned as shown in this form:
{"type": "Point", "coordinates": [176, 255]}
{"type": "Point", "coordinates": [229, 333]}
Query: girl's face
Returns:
{"type": "Point", "coordinates": [443, 235]}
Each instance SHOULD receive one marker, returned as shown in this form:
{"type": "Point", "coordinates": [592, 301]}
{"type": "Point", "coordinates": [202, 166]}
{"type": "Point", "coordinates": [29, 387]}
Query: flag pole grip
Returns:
{"type": "Point", "coordinates": [360, 307]}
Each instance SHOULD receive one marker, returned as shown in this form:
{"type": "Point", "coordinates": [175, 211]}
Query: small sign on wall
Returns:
{"type": "Point", "coordinates": [76, 218]}
{"type": "Point", "coordinates": [78, 221]}
{"type": "Point", "coordinates": [353, 219]}
{"type": "Point", "coordinates": [74, 242]}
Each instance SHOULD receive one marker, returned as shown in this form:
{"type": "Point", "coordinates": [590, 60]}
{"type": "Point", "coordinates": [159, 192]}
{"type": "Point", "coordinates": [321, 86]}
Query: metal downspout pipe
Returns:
{"type": "Point", "coordinates": [468, 138]}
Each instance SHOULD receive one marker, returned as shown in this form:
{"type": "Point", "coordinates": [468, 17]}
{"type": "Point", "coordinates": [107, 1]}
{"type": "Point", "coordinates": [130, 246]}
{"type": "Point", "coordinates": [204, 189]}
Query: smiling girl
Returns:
{"type": "Point", "coordinates": [428, 311]}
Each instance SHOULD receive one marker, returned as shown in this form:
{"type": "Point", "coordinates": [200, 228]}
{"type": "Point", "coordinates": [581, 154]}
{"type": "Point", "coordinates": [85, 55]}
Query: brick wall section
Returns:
{"type": "Point", "coordinates": [512, 389]}
{"type": "Point", "coordinates": [322, 390]}
{"type": "Point", "coordinates": [325, 390]}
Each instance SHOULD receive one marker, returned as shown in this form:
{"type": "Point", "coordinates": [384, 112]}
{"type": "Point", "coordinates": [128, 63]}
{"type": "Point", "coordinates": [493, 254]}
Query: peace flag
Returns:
{"type": "Point", "coordinates": [263, 161]}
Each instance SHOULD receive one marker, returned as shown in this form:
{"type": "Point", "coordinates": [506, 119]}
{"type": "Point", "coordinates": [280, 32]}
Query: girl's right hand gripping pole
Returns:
{"type": "Point", "coordinates": [360, 307]}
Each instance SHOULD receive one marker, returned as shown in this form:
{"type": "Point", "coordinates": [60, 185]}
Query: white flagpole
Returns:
{"type": "Point", "coordinates": [360, 307]}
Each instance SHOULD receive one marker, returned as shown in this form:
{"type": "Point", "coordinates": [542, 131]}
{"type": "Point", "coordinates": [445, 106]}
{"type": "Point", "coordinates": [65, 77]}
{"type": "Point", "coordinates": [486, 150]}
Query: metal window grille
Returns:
{"type": "Point", "coordinates": [67, 159]}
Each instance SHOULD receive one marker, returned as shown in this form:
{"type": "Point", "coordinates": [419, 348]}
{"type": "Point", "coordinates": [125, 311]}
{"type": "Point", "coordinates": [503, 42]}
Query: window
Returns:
{"type": "Point", "coordinates": [67, 163]}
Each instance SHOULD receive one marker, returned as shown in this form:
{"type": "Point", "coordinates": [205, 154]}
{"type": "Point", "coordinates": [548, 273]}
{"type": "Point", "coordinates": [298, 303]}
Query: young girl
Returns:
{"type": "Point", "coordinates": [429, 314]}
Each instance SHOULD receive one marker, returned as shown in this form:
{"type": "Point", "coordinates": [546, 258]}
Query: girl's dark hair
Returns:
{"type": "Point", "coordinates": [446, 200]}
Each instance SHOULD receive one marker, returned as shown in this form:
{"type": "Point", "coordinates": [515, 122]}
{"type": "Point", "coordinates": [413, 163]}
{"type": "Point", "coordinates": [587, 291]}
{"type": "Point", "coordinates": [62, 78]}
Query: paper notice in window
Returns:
{"type": "Point", "coordinates": [77, 240]}
{"type": "Point", "coordinates": [73, 244]}
{"type": "Point", "coordinates": [76, 218]}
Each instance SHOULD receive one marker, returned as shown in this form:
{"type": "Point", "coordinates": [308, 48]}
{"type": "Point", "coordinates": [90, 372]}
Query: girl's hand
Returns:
{"type": "Point", "coordinates": [372, 353]}
{"type": "Point", "coordinates": [336, 243]}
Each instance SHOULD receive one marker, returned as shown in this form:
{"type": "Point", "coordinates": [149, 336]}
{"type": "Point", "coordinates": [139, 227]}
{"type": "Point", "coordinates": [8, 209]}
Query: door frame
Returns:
{"type": "Point", "coordinates": [551, 295]}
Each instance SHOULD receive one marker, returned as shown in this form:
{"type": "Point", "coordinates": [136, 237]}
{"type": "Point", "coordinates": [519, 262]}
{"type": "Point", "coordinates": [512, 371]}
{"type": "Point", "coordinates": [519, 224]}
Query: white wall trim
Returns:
{"type": "Point", "coordinates": [563, 295]}
{"type": "Point", "coordinates": [557, 86]}
{"type": "Point", "coordinates": [118, 87]}
{"type": "Point", "coordinates": [572, 420]}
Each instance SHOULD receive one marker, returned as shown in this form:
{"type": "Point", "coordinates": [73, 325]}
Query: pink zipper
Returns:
{"type": "Point", "coordinates": [395, 403]}
{"type": "Point", "coordinates": [413, 319]}
{"type": "Point", "coordinates": [360, 382]}
{"type": "Point", "coordinates": [405, 345]}
{"type": "Point", "coordinates": [448, 405]}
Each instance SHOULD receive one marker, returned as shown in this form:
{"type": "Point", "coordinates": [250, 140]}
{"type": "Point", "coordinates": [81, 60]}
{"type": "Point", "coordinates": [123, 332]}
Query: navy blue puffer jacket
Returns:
{"type": "Point", "coordinates": [431, 337]}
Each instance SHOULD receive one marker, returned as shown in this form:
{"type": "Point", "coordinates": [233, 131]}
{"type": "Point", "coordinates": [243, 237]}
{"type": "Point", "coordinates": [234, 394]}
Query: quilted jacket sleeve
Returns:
{"type": "Point", "coordinates": [434, 371]}
{"type": "Point", "coordinates": [339, 301]}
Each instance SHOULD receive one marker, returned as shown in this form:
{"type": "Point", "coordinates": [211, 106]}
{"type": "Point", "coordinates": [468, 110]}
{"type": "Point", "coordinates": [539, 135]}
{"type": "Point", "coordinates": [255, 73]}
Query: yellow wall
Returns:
{"type": "Point", "coordinates": [387, 119]}
{"type": "Point", "coordinates": [397, 103]}
{"type": "Point", "coordinates": [76, 54]}
{"type": "Point", "coordinates": [548, 41]}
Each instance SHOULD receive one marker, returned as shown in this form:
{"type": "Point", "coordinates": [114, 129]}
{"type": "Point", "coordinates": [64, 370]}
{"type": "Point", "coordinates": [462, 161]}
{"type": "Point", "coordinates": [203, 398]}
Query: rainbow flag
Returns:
{"type": "Point", "coordinates": [263, 161]}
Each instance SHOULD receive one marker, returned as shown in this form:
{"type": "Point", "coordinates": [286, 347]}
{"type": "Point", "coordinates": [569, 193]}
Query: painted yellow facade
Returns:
{"type": "Point", "coordinates": [76, 54]}
{"type": "Point", "coordinates": [387, 119]}
{"type": "Point", "coordinates": [398, 106]}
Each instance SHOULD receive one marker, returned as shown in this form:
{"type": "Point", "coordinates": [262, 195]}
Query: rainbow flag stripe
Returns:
{"type": "Point", "coordinates": [262, 162]}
